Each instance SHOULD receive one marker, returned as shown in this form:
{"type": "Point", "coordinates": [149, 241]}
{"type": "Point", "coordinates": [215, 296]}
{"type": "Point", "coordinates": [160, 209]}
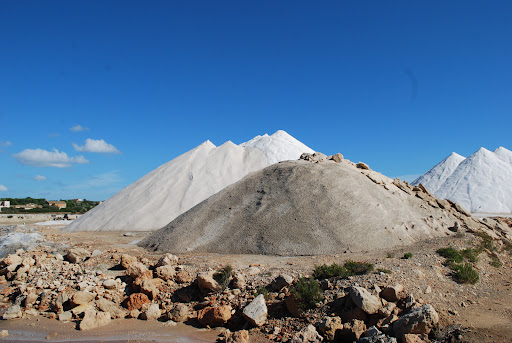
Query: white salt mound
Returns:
{"type": "Point", "coordinates": [173, 188]}
{"type": "Point", "coordinates": [304, 208]}
{"type": "Point", "coordinates": [481, 183]}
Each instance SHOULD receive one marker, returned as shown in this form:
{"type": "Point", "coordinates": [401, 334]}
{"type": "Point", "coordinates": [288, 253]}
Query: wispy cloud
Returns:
{"type": "Point", "coordinates": [78, 128]}
{"type": "Point", "coordinates": [45, 158]}
{"type": "Point", "coordinates": [100, 180]}
{"type": "Point", "coordinates": [5, 144]}
{"type": "Point", "coordinates": [3, 188]}
{"type": "Point", "coordinates": [96, 145]}
{"type": "Point", "coordinates": [53, 135]}
{"type": "Point", "coordinates": [40, 178]}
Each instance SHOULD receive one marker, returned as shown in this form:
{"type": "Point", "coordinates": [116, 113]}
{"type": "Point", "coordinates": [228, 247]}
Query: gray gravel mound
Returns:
{"type": "Point", "coordinates": [303, 208]}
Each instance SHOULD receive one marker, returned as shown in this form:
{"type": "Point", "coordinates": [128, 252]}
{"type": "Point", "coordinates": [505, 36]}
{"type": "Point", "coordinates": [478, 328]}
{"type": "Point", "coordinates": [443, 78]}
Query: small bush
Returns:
{"type": "Point", "coordinates": [390, 255]}
{"type": "Point", "coordinates": [470, 254]}
{"type": "Point", "coordinates": [487, 241]}
{"type": "Point", "coordinates": [465, 273]}
{"type": "Point", "coordinates": [407, 255]}
{"type": "Point", "coordinates": [507, 245]}
{"type": "Point", "coordinates": [326, 272]}
{"type": "Point", "coordinates": [262, 290]}
{"type": "Point", "coordinates": [382, 270]}
{"type": "Point", "coordinates": [307, 292]}
{"type": "Point", "coordinates": [358, 268]}
{"type": "Point", "coordinates": [451, 254]}
{"type": "Point", "coordinates": [495, 261]}
{"type": "Point", "coordinates": [223, 276]}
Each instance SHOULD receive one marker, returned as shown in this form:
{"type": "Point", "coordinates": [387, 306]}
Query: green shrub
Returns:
{"type": "Point", "coordinates": [495, 261]}
{"type": "Point", "coordinates": [382, 270]}
{"type": "Point", "coordinates": [487, 241]}
{"type": "Point", "coordinates": [307, 292]}
{"type": "Point", "coordinates": [262, 290]}
{"type": "Point", "coordinates": [390, 255]}
{"type": "Point", "coordinates": [507, 245]}
{"type": "Point", "coordinates": [358, 268]}
{"type": "Point", "coordinates": [470, 254]}
{"type": "Point", "coordinates": [451, 254]}
{"type": "Point", "coordinates": [223, 276]}
{"type": "Point", "coordinates": [465, 273]}
{"type": "Point", "coordinates": [407, 255]}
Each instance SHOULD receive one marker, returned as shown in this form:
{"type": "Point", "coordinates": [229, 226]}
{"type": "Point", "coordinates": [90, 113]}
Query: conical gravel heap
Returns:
{"type": "Point", "coordinates": [305, 208]}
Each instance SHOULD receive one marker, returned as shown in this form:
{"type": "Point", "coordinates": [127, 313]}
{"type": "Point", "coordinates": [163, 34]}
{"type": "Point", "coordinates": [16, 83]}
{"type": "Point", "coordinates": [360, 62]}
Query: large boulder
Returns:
{"type": "Point", "coordinates": [366, 301]}
{"type": "Point", "coordinates": [136, 300]}
{"type": "Point", "coordinates": [152, 313]}
{"type": "Point", "coordinates": [214, 316]}
{"type": "Point", "coordinates": [93, 319]}
{"type": "Point", "coordinates": [392, 293]}
{"type": "Point", "coordinates": [206, 282]}
{"type": "Point", "coordinates": [330, 327]}
{"type": "Point", "coordinates": [138, 270]}
{"type": "Point", "coordinates": [77, 255]}
{"type": "Point", "coordinates": [115, 310]}
{"type": "Point", "coordinates": [256, 312]}
{"type": "Point", "coordinates": [179, 313]}
{"type": "Point", "coordinates": [13, 312]}
{"type": "Point", "coordinates": [420, 320]}
{"type": "Point", "coordinates": [307, 335]}
{"type": "Point", "coordinates": [83, 297]}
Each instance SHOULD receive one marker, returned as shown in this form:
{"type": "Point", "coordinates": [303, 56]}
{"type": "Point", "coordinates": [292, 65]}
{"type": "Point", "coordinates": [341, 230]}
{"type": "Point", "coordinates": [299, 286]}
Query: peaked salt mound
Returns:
{"type": "Point", "coordinates": [160, 196]}
{"type": "Point", "coordinates": [304, 208]}
{"type": "Point", "coordinates": [504, 154]}
{"type": "Point", "coordinates": [435, 177]}
{"type": "Point", "coordinates": [481, 183]}
{"type": "Point", "coordinates": [278, 147]}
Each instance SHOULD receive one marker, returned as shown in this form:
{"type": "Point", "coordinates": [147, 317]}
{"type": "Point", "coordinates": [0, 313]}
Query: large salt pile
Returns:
{"type": "Point", "coordinates": [304, 208]}
{"type": "Point", "coordinates": [160, 196]}
{"type": "Point", "coordinates": [481, 183]}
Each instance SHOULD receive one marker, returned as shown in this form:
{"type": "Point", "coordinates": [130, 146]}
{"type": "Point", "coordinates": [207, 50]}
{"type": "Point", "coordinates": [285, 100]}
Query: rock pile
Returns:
{"type": "Point", "coordinates": [40, 282]}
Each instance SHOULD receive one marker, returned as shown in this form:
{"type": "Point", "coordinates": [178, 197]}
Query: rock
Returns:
{"type": "Point", "coordinates": [183, 276]}
{"type": "Point", "coordinates": [31, 299]}
{"type": "Point", "coordinates": [256, 311]}
{"type": "Point", "coordinates": [149, 288]}
{"type": "Point", "coordinates": [152, 313]}
{"type": "Point", "coordinates": [392, 293]}
{"type": "Point", "coordinates": [362, 165]}
{"type": "Point", "coordinates": [214, 316]}
{"type": "Point", "coordinates": [13, 312]}
{"type": "Point", "coordinates": [134, 314]}
{"type": "Point", "coordinates": [352, 331]}
{"type": "Point", "coordinates": [411, 338]}
{"type": "Point", "coordinates": [115, 310]}
{"type": "Point", "coordinates": [138, 270]}
{"type": "Point", "coordinates": [12, 260]}
{"type": "Point", "coordinates": [372, 331]}
{"type": "Point", "coordinates": [126, 260]}
{"type": "Point", "coordinates": [315, 157]}
{"type": "Point", "coordinates": [93, 319]}
{"type": "Point", "coordinates": [329, 327]}
{"type": "Point", "coordinates": [281, 281]}
{"type": "Point", "coordinates": [77, 255]}
{"type": "Point", "coordinates": [337, 158]}
{"type": "Point", "coordinates": [110, 284]}
{"type": "Point", "coordinates": [65, 316]}
{"type": "Point", "coordinates": [365, 300]}
{"type": "Point", "coordinates": [307, 335]}
{"type": "Point", "coordinates": [165, 272]}
{"type": "Point", "coordinates": [428, 290]}
{"type": "Point", "coordinates": [4, 333]}
{"type": "Point", "coordinates": [136, 300]}
{"type": "Point", "coordinates": [82, 308]}
{"type": "Point", "coordinates": [167, 260]}
{"type": "Point", "coordinates": [387, 309]}
{"type": "Point", "coordinates": [96, 252]}
{"type": "Point", "coordinates": [409, 301]}
{"type": "Point", "coordinates": [83, 297]}
{"type": "Point", "coordinates": [238, 281]}
{"type": "Point", "coordinates": [292, 305]}
{"type": "Point", "coordinates": [206, 282]}
{"type": "Point", "coordinates": [419, 320]}
{"type": "Point", "coordinates": [179, 313]}
{"type": "Point", "coordinates": [241, 336]}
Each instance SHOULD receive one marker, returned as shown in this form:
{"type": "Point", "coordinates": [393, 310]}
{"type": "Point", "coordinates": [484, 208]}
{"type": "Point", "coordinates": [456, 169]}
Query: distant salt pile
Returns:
{"type": "Point", "coordinates": [305, 208]}
{"type": "Point", "coordinates": [173, 188]}
{"type": "Point", "coordinates": [481, 183]}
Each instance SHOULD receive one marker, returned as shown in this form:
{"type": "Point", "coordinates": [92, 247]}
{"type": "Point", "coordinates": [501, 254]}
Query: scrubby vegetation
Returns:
{"type": "Point", "coordinates": [223, 276]}
{"type": "Point", "coordinates": [307, 292]}
{"type": "Point", "coordinates": [349, 268]}
{"type": "Point", "coordinates": [407, 255]}
{"type": "Point", "coordinates": [450, 254]}
{"type": "Point", "coordinates": [465, 273]}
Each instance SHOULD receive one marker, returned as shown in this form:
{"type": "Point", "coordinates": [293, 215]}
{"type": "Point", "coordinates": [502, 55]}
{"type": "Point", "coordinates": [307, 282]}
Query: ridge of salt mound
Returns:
{"type": "Point", "coordinates": [437, 175]}
{"type": "Point", "coordinates": [278, 147]}
{"type": "Point", "coordinates": [171, 189]}
{"type": "Point", "coordinates": [481, 183]}
{"type": "Point", "coordinates": [504, 154]}
{"type": "Point", "coordinates": [303, 208]}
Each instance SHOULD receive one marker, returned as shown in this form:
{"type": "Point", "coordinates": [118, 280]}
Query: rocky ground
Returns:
{"type": "Point", "coordinates": [105, 283]}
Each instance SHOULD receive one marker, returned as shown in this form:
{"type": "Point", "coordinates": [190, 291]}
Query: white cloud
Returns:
{"type": "Point", "coordinates": [45, 158]}
{"type": "Point", "coordinates": [3, 188]}
{"type": "Point", "coordinates": [40, 178]}
{"type": "Point", "coordinates": [78, 128]}
{"type": "Point", "coordinates": [96, 145]}
{"type": "Point", "coordinates": [5, 144]}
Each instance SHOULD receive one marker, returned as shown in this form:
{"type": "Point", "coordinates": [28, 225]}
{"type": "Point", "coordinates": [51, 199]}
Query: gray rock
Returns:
{"type": "Point", "coordinates": [77, 255]}
{"type": "Point", "coordinates": [330, 326]}
{"type": "Point", "coordinates": [13, 312]}
{"type": "Point", "coordinates": [281, 281]}
{"type": "Point", "coordinates": [256, 311]}
{"type": "Point", "coordinates": [307, 335]}
{"type": "Point", "coordinates": [167, 260]}
{"type": "Point", "coordinates": [179, 313]}
{"type": "Point", "coordinates": [82, 297]}
{"type": "Point", "coordinates": [152, 313]}
{"type": "Point", "coordinates": [420, 320]}
{"type": "Point", "coordinates": [93, 319]}
{"type": "Point", "coordinates": [110, 284]}
{"type": "Point", "coordinates": [65, 316]}
{"type": "Point", "coordinates": [115, 310]}
{"type": "Point", "coordinates": [392, 293]}
{"type": "Point", "coordinates": [365, 300]}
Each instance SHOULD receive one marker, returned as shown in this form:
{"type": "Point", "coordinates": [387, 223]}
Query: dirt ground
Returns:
{"type": "Point", "coordinates": [482, 312]}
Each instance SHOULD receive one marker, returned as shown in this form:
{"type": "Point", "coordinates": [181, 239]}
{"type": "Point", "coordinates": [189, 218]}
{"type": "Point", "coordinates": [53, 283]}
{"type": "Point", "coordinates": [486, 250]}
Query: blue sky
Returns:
{"type": "Point", "coordinates": [398, 84]}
